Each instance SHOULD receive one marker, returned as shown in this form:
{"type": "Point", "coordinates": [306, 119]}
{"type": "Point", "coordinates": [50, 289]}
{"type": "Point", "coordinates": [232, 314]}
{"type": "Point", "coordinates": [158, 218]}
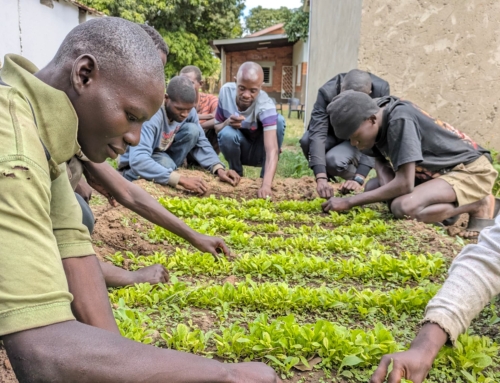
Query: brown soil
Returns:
{"type": "Point", "coordinates": [283, 188]}
{"type": "Point", "coordinates": [6, 373]}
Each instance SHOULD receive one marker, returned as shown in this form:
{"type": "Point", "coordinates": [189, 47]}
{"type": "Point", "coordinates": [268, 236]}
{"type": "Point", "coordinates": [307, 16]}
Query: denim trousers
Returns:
{"type": "Point", "coordinates": [241, 148]}
{"type": "Point", "coordinates": [184, 141]}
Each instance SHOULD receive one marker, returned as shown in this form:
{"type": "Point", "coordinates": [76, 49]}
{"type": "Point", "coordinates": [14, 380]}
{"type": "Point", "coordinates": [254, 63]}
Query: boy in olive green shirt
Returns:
{"type": "Point", "coordinates": [104, 82]}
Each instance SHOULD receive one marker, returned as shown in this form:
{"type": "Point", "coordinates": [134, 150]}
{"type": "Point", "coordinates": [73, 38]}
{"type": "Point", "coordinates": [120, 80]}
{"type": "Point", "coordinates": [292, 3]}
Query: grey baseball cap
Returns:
{"type": "Point", "coordinates": [348, 110]}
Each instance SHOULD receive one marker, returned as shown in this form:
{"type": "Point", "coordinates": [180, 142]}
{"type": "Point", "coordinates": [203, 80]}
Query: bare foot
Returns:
{"type": "Point", "coordinates": [485, 210]}
{"type": "Point", "coordinates": [152, 274]}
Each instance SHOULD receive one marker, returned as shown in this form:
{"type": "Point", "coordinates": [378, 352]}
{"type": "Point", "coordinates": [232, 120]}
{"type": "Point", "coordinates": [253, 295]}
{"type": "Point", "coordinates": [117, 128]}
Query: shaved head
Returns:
{"type": "Point", "coordinates": [357, 80]}
{"type": "Point", "coordinates": [249, 82]}
{"type": "Point", "coordinates": [250, 71]}
{"type": "Point", "coordinates": [120, 47]}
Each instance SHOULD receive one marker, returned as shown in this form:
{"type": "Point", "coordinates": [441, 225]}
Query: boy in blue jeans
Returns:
{"type": "Point", "coordinates": [166, 140]}
{"type": "Point", "coordinates": [250, 131]}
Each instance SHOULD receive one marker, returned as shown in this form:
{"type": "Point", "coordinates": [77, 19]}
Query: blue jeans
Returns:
{"type": "Point", "coordinates": [87, 215]}
{"type": "Point", "coordinates": [184, 141]}
{"type": "Point", "coordinates": [240, 147]}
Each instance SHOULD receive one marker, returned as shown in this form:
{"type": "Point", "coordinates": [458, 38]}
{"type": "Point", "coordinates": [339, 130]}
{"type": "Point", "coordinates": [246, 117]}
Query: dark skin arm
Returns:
{"type": "Point", "coordinates": [136, 199]}
{"type": "Point", "coordinates": [403, 183]}
{"type": "Point", "coordinates": [91, 303]}
{"type": "Point", "coordinates": [74, 352]}
{"type": "Point", "coordinates": [415, 363]}
{"type": "Point", "coordinates": [209, 124]}
{"type": "Point", "coordinates": [84, 189]}
{"type": "Point", "coordinates": [118, 277]}
{"type": "Point", "coordinates": [271, 148]}
{"type": "Point", "coordinates": [350, 186]}
{"type": "Point", "coordinates": [324, 189]}
{"type": "Point", "coordinates": [233, 121]}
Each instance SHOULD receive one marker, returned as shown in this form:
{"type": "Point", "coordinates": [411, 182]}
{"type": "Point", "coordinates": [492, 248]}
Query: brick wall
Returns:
{"type": "Point", "coordinates": [279, 56]}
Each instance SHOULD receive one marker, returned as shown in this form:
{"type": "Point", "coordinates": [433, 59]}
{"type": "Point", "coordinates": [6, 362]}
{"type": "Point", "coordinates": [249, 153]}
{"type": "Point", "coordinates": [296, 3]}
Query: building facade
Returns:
{"type": "Point", "coordinates": [284, 63]}
{"type": "Point", "coordinates": [36, 28]}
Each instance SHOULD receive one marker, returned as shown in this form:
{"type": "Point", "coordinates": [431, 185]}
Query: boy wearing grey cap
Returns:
{"type": "Point", "coordinates": [426, 169]}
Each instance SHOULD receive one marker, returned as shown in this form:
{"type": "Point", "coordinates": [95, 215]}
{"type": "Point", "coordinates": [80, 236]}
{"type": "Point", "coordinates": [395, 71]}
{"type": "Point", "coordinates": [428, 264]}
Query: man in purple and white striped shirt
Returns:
{"type": "Point", "coordinates": [249, 130]}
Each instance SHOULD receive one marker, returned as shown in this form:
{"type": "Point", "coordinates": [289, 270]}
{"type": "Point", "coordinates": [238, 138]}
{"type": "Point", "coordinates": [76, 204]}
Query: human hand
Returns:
{"type": "Point", "coordinates": [151, 274]}
{"type": "Point", "coordinates": [336, 204]}
{"type": "Point", "coordinates": [101, 189]}
{"type": "Point", "coordinates": [84, 190]}
{"type": "Point", "coordinates": [235, 121]}
{"type": "Point", "coordinates": [324, 189]}
{"type": "Point", "coordinates": [254, 372]}
{"type": "Point", "coordinates": [413, 365]}
{"type": "Point", "coordinates": [265, 192]}
{"type": "Point", "coordinates": [212, 245]}
{"type": "Point", "coordinates": [194, 184]}
{"type": "Point", "coordinates": [350, 186]}
{"type": "Point", "coordinates": [229, 176]}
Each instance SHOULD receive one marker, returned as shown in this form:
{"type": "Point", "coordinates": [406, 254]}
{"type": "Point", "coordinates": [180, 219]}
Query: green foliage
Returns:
{"type": "Point", "coordinates": [279, 298]}
{"type": "Point", "coordinates": [297, 27]}
{"type": "Point", "coordinates": [188, 26]}
{"type": "Point", "coordinates": [293, 265]}
{"type": "Point", "coordinates": [259, 18]}
{"type": "Point", "coordinates": [285, 343]}
{"type": "Point", "coordinates": [295, 165]}
{"type": "Point", "coordinates": [342, 288]}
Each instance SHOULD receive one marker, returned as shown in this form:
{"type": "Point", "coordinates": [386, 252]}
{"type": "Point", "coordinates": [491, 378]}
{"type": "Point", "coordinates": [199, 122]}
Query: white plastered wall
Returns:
{"type": "Point", "coordinates": [34, 30]}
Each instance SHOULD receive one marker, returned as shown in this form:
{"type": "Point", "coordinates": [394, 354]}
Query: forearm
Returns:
{"type": "Point", "coordinates": [395, 188]}
{"type": "Point", "coordinates": [317, 154]}
{"type": "Point", "coordinates": [432, 338]}
{"type": "Point", "coordinates": [147, 168]}
{"type": "Point", "coordinates": [49, 354]}
{"type": "Point", "coordinates": [209, 124]}
{"type": "Point", "coordinates": [115, 276]}
{"type": "Point", "coordinates": [140, 202]}
{"type": "Point", "coordinates": [207, 116]}
{"type": "Point", "coordinates": [270, 167]}
{"type": "Point", "coordinates": [474, 279]}
{"type": "Point", "coordinates": [91, 303]}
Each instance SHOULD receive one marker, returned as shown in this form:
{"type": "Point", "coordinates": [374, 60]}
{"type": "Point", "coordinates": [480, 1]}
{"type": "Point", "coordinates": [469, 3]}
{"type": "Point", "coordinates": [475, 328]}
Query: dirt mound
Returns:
{"type": "Point", "coordinates": [283, 188]}
{"type": "Point", "coordinates": [6, 373]}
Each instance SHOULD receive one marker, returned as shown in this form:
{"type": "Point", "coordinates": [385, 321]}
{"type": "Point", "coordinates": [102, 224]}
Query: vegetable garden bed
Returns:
{"type": "Point", "coordinates": [318, 297]}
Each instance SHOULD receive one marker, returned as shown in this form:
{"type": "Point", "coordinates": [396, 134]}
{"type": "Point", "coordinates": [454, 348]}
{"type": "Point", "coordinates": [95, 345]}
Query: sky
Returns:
{"type": "Point", "coordinates": [272, 4]}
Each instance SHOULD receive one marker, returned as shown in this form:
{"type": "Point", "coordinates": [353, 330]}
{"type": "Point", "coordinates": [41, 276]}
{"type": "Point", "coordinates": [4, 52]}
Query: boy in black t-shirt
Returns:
{"type": "Point", "coordinates": [429, 170]}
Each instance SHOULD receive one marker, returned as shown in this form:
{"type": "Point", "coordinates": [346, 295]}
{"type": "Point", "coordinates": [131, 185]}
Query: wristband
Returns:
{"type": "Point", "coordinates": [321, 178]}
{"type": "Point", "coordinates": [359, 180]}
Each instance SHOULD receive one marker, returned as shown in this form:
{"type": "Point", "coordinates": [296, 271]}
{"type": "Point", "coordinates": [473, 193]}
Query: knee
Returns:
{"type": "Point", "coordinates": [337, 163]}
{"type": "Point", "coordinates": [372, 184]}
{"type": "Point", "coordinates": [164, 160]}
{"type": "Point", "coordinates": [281, 123]}
{"type": "Point", "coordinates": [87, 216]}
{"type": "Point", "coordinates": [304, 142]}
{"type": "Point", "coordinates": [228, 137]}
{"type": "Point", "coordinates": [404, 207]}
{"type": "Point", "coordinates": [192, 131]}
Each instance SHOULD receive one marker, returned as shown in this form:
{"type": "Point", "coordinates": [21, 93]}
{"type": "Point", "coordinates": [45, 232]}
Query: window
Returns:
{"type": "Point", "coordinates": [267, 67]}
{"type": "Point", "coordinates": [268, 78]}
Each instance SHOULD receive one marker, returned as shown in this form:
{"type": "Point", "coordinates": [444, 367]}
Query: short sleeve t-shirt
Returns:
{"type": "Point", "coordinates": [207, 104]}
{"type": "Point", "coordinates": [260, 115]}
{"type": "Point", "coordinates": [40, 218]}
{"type": "Point", "coordinates": [409, 134]}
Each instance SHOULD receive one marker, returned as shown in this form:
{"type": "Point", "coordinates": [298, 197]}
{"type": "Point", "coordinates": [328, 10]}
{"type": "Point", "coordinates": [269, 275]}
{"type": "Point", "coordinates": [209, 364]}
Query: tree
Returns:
{"type": "Point", "coordinates": [187, 26]}
{"type": "Point", "coordinates": [297, 26]}
{"type": "Point", "coordinates": [260, 18]}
